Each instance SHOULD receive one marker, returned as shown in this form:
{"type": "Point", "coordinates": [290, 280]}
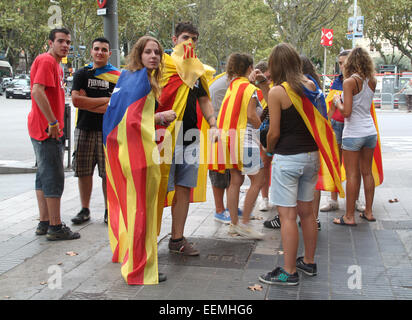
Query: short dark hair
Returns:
{"type": "Point", "coordinates": [101, 39]}
{"type": "Point", "coordinates": [262, 66]}
{"type": "Point", "coordinates": [185, 27]}
{"type": "Point", "coordinates": [344, 53]}
{"type": "Point", "coordinates": [52, 34]}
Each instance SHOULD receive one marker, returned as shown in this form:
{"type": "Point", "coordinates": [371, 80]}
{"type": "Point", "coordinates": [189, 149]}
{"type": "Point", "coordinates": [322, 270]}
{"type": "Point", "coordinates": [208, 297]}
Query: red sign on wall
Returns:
{"type": "Point", "coordinates": [327, 37]}
{"type": "Point", "coordinates": [101, 3]}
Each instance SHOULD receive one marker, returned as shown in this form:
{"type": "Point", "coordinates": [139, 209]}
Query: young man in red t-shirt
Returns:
{"type": "Point", "coordinates": [45, 124]}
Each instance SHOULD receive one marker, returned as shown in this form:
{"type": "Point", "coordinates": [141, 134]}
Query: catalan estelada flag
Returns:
{"type": "Point", "coordinates": [324, 182]}
{"type": "Point", "coordinates": [322, 133]}
{"type": "Point", "coordinates": [108, 73]}
{"type": "Point", "coordinates": [133, 177]}
{"type": "Point", "coordinates": [180, 73]}
{"type": "Point", "coordinates": [227, 153]}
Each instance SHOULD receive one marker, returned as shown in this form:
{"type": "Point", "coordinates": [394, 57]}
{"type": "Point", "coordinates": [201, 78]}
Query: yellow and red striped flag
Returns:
{"type": "Point", "coordinates": [322, 132]}
{"type": "Point", "coordinates": [181, 71]}
{"type": "Point", "coordinates": [227, 153]}
{"type": "Point", "coordinates": [133, 177]}
{"type": "Point", "coordinates": [325, 180]}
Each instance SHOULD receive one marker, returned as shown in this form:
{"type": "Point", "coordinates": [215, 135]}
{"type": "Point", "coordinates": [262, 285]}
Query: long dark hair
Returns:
{"type": "Point", "coordinates": [309, 68]}
{"type": "Point", "coordinates": [237, 65]}
{"type": "Point", "coordinates": [286, 65]}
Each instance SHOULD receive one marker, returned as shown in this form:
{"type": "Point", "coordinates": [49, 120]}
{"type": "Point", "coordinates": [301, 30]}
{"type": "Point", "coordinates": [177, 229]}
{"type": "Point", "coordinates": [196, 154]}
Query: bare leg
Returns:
{"type": "Point", "coordinates": [53, 207]}
{"type": "Point", "coordinates": [85, 189]}
{"type": "Point", "coordinates": [366, 157]}
{"type": "Point", "coordinates": [42, 204]}
{"type": "Point", "coordinates": [180, 209]}
{"type": "Point", "coordinates": [236, 181]}
{"type": "Point", "coordinates": [290, 236]}
{"type": "Point", "coordinates": [316, 202]}
{"type": "Point", "coordinates": [252, 194]}
{"type": "Point", "coordinates": [218, 194]}
{"type": "Point", "coordinates": [309, 230]}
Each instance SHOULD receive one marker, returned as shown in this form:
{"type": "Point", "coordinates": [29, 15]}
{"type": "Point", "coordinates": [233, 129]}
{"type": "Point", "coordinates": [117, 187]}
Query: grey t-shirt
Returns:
{"type": "Point", "coordinates": [217, 92]}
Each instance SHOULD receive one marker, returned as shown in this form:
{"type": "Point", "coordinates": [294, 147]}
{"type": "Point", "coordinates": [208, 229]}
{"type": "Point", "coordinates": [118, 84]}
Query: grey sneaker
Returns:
{"type": "Point", "coordinates": [64, 233]}
{"type": "Point", "coordinates": [280, 277]}
{"type": "Point", "coordinates": [307, 268]}
{"type": "Point", "coordinates": [82, 216]}
{"type": "Point", "coordinates": [183, 247]}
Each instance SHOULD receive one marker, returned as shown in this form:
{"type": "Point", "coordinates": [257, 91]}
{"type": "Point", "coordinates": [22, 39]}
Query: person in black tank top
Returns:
{"type": "Point", "coordinates": [295, 166]}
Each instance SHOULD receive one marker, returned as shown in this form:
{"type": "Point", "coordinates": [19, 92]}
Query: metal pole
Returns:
{"type": "Point", "coordinates": [324, 70]}
{"type": "Point", "coordinates": [111, 31]}
{"type": "Point", "coordinates": [355, 25]}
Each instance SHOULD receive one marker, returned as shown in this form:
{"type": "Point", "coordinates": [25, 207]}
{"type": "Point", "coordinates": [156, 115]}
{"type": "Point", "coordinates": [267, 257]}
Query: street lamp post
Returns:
{"type": "Point", "coordinates": [190, 5]}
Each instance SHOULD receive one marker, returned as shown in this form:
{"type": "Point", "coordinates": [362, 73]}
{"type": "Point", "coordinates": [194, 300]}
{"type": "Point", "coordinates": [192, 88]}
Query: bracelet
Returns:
{"type": "Point", "coordinates": [257, 82]}
{"type": "Point", "coordinates": [53, 124]}
{"type": "Point", "coordinates": [269, 154]}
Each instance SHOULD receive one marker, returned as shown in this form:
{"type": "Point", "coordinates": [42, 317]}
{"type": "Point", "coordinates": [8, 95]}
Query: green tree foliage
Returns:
{"type": "Point", "coordinates": [390, 20]}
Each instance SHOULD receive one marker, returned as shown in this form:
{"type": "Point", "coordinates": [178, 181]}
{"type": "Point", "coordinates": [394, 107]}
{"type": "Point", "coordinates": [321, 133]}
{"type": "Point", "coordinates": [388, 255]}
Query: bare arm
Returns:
{"type": "Point", "coordinates": [349, 86]}
{"type": "Point", "coordinates": [274, 105]}
{"type": "Point", "coordinates": [82, 101]}
{"type": "Point", "coordinates": [209, 114]}
{"type": "Point", "coordinates": [252, 116]}
{"type": "Point", "coordinates": [259, 80]}
{"type": "Point", "coordinates": [39, 95]}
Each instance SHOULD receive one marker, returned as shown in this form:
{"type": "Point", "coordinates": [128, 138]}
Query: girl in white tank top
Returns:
{"type": "Point", "coordinates": [360, 123]}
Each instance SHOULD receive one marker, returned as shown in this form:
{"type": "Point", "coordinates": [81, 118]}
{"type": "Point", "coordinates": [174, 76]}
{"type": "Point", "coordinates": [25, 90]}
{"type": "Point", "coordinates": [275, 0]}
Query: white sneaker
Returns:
{"type": "Point", "coordinates": [330, 206]}
{"type": "Point", "coordinates": [264, 204]}
{"type": "Point", "coordinates": [247, 231]}
{"type": "Point", "coordinates": [232, 230]}
{"type": "Point", "coordinates": [359, 206]}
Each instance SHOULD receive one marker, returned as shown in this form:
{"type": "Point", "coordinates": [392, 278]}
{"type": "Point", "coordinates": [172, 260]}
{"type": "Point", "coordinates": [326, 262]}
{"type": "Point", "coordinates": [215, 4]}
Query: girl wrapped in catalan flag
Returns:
{"type": "Point", "coordinates": [238, 150]}
{"type": "Point", "coordinates": [132, 164]}
{"type": "Point", "coordinates": [298, 132]}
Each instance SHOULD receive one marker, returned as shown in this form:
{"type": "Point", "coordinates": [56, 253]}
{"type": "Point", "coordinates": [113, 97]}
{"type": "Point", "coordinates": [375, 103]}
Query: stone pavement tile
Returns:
{"type": "Point", "coordinates": [339, 296]}
{"type": "Point", "coordinates": [377, 291]}
{"type": "Point", "coordinates": [402, 293]}
{"type": "Point", "coordinates": [282, 292]}
{"type": "Point", "coordinates": [260, 261]}
{"type": "Point", "coordinates": [396, 260]}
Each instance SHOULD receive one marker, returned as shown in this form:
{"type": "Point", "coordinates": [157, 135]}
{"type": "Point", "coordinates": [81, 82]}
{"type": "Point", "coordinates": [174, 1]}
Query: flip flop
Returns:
{"type": "Point", "coordinates": [362, 215]}
{"type": "Point", "coordinates": [343, 223]}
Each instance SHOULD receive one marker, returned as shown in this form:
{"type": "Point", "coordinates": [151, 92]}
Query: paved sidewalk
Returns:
{"type": "Point", "coordinates": [227, 266]}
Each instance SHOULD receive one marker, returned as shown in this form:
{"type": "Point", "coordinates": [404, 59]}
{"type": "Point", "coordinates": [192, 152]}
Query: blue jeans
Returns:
{"type": "Point", "coordinates": [355, 144]}
{"type": "Point", "coordinates": [338, 128]}
{"type": "Point", "coordinates": [294, 178]}
{"type": "Point", "coordinates": [50, 171]}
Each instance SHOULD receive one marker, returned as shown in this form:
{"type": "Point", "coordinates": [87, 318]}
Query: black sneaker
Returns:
{"type": "Point", "coordinates": [280, 277]}
{"type": "Point", "coordinates": [272, 224]}
{"type": "Point", "coordinates": [82, 216]}
{"type": "Point", "coordinates": [162, 277]}
{"type": "Point", "coordinates": [64, 233]}
{"type": "Point", "coordinates": [42, 228]}
{"type": "Point", "coordinates": [307, 268]}
{"type": "Point", "coordinates": [106, 216]}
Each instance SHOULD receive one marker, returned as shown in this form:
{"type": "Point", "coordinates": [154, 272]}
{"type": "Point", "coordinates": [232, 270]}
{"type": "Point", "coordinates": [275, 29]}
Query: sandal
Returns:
{"type": "Point", "coordinates": [362, 215]}
{"type": "Point", "coordinates": [343, 223]}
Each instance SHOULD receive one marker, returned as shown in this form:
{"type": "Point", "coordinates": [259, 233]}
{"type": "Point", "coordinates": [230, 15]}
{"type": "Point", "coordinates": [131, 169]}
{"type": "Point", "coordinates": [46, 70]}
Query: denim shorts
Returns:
{"type": "Point", "coordinates": [252, 162]}
{"type": "Point", "coordinates": [356, 144]}
{"type": "Point", "coordinates": [294, 178]}
{"type": "Point", "coordinates": [50, 171]}
{"type": "Point", "coordinates": [220, 180]}
{"type": "Point", "coordinates": [184, 167]}
{"type": "Point", "coordinates": [338, 128]}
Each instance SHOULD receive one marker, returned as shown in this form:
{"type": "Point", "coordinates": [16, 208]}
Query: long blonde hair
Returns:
{"type": "Point", "coordinates": [134, 62]}
{"type": "Point", "coordinates": [359, 61]}
{"type": "Point", "coordinates": [285, 65]}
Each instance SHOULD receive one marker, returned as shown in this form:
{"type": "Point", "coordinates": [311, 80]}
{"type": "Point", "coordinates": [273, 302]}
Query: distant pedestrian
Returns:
{"type": "Point", "coordinates": [91, 91]}
{"type": "Point", "coordinates": [45, 124]}
{"type": "Point", "coordinates": [407, 89]}
{"type": "Point", "coordinates": [359, 137]}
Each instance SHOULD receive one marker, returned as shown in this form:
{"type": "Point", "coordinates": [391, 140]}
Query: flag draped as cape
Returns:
{"type": "Point", "coordinates": [227, 153]}
{"type": "Point", "coordinates": [322, 133]}
{"type": "Point", "coordinates": [181, 71]}
{"type": "Point", "coordinates": [133, 177]}
{"type": "Point", "coordinates": [325, 180]}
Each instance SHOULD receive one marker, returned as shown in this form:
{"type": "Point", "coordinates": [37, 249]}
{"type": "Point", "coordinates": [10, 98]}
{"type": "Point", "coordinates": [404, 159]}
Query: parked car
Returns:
{"type": "Point", "coordinates": [5, 83]}
{"type": "Point", "coordinates": [19, 88]}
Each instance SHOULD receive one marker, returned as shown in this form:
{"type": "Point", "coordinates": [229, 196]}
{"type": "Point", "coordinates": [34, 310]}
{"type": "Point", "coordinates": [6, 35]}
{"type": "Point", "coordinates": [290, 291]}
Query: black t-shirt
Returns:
{"type": "Point", "coordinates": [95, 88]}
{"type": "Point", "coordinates": [190, 115]}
